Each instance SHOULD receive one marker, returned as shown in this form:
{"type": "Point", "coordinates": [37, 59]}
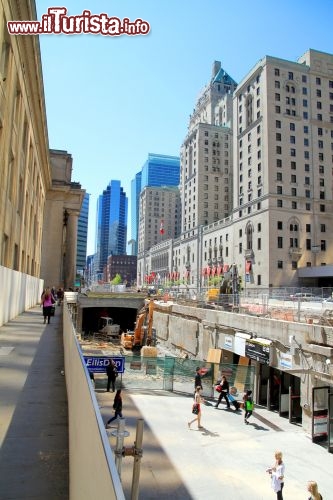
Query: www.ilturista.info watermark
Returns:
{"type": "Point", "coordinates": [56, 22]}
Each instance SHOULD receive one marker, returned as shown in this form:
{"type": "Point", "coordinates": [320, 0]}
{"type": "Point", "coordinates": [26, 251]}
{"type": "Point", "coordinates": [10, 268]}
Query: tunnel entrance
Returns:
{"type": "Point", "coordinates": [125, 317]}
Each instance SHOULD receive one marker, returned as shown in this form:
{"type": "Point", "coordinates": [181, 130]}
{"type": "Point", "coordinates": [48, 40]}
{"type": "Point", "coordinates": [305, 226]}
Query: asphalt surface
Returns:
{"type": "Point", "coordinates": [226, 459]}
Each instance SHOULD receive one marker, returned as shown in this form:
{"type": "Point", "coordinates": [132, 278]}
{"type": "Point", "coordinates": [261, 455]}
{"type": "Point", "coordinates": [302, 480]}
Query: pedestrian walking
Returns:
{"type": "Point", "coordinates": [248, 406]}
{"type": "Point", "coordinates": [197, 380]}
{"type": "Point", "coordinates": [47, 302]}
{"type": "Point", "coordinates": [196, 408]}
{"type": "Point", "coordinates": [112, 373]}
{"type": "Point", "coordinates": [277, 475]}
{"type": "Point", "coordinates": [117, 406]}
{"type": "Point", "coordinates": [313, 490]}
{"type": "Point", "coordinates": [224, 392]}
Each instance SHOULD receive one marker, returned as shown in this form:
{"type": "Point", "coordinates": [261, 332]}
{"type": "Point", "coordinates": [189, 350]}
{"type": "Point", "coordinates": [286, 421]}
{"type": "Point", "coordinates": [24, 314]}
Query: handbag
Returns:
{"type": "Point", "coordinates": [52, 311]}
{"type": "Point", "coordinates": [195, 409]}
{"type": "Point", "coordinates": [218, 388]}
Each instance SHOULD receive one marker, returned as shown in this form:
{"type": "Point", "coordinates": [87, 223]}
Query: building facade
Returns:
{"type": "Point", "coordinates": [82, 236]}
{"type": "Point", "coordinates": [268, 210]}
{"type": "Point", "coordinates": [60, 228]}
{"type": "Point", "coordinates": [124, 265]}
{"type": "Point", "coordinates": [111, 234]}
{"type": "Point", "coordinates": [158, 170]}
{"type": "Point", "coordinates": [160, 216]}
{"type": "Point", "coordinates": [24, 163]}
{"type": "Point", "coordinates": [135, 197]}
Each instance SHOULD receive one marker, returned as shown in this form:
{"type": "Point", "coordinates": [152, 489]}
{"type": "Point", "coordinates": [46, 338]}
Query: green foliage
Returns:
{"type": "Point", "coordinates": [116, 280]}
{"type": "Point", "coordinates": [215, 280]}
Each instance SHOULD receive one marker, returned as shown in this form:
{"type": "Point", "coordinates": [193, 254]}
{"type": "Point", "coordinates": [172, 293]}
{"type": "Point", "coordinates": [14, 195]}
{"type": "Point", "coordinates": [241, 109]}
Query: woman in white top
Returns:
{"type": "Point", "coordinates": [197, 401]}
{"type": "Point", "coordinates": [313, 490]}
{"type": "Point", "coordinates": [277, 475]}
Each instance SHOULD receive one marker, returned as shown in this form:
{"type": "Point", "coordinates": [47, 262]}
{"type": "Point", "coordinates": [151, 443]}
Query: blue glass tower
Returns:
{"type": "Point", "coordinates": [135, 196]}
{"type": "Point", "coordinates": [111, 233]}
{"type": "Point", "coordinates": [160, 170]}
{"type": "Point", "coordinates": [82, 235]}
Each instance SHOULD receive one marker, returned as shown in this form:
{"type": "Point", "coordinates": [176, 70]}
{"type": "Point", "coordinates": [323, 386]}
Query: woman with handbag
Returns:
{"type": "Point", "coordinates": [196, 408]}
{"type": "Point", "coordinates": [47, 301]}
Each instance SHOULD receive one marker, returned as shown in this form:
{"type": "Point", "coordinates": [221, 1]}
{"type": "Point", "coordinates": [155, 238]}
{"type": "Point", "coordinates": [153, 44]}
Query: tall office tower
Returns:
{"type": "Point", "coordinates": [135, 196]}
{"type": "Point", "coordinates": [158, 170]}
{"type": "Point", "coordinates": [111, 233]}
{"type": "Point", "coordinates": [160, 216]}
{"type": "Point", "coordinates": [283, 142]}
{"type": "Point", "coordinates": [206, 155]}
{"type": "Point", "coordinates": [82, 235]}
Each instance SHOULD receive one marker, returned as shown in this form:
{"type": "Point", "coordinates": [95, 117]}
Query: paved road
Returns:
{"type": "Point", "coordinates": [225, 460]}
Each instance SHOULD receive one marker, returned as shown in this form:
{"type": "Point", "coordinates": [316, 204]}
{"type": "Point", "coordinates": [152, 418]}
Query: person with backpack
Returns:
{"type": "Point", "coordinates": [117, 406]}
{"type": "Point", "coordinates": [112, 373]}
{"type": "Point", "coordinates": [248, 406]}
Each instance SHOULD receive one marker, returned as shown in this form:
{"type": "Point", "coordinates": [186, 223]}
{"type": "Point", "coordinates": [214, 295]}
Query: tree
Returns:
{"type": "Point", "coordinates": [116, 280]}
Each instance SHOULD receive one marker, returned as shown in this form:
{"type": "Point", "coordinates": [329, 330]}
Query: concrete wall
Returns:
{"type": "Point", "coordinates": [306, 348]}
{"type": "Point", "coordinates": [90, 454]}
{"type": "Point", "coordinates": [18, 292]}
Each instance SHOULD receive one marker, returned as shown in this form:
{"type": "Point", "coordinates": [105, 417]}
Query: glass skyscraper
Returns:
{"type": "Point", "coordinates": [157, 171]}
{"type": "Point", "coordinates": [82, 235]}
{"type": "Point", "coordinates": [111, 233]}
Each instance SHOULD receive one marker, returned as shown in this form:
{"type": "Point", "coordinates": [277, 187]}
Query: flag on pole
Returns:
{"type": "Point", "coordinates": [162, 227]}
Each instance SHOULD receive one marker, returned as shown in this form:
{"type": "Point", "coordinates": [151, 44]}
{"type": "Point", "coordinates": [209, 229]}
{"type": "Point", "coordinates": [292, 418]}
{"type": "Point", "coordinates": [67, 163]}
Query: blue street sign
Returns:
{"type": "Point", "coordinates": [98, 364]}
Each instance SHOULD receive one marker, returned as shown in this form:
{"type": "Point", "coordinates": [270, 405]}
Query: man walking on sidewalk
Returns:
{"type": "Point", "coordinates": [224, 392]}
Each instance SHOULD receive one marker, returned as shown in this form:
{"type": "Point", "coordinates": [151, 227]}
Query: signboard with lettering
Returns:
{"type": "Point", "coordinates": [98, 364]}
{"type": "Point", "coordinates": [285, 361]}
{"type": "Point", "coordinates": [257, 351]}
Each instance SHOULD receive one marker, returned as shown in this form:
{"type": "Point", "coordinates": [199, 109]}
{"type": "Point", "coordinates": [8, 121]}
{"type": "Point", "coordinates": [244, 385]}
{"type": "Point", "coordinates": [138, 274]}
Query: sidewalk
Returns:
{"type": "Point", "coordinates": [33, 409]}
{"type": "Point", "coordinates": [226, 459]}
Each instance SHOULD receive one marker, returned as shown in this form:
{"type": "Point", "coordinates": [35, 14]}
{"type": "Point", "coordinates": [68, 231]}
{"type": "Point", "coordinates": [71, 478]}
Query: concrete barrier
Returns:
{"type": "Point", "coordinates": [92, 468]}
{"type": "Point", "coordinates": [18, 293]}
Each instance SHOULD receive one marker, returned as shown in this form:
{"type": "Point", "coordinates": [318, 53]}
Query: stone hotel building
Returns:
{"type": "Point", "coordinates": [256, 178]}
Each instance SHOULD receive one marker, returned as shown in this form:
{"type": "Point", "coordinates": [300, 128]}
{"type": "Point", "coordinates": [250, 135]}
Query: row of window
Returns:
{"type": "Point", "coordinates": [294, 205]}
{"type": "Point", "coordinates": [304, 78]}
{"type": "Point", "coordinates": [292, 112]}
{"type": "Point", "coordinates": [293, 166]}
{"type": "Point", "coordinates": [292, 140]}
{"type": "Point", "coordinates": [293, 179]}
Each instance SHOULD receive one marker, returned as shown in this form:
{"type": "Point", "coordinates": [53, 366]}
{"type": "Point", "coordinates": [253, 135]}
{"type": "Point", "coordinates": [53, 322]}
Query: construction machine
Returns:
{"type": "Point", "coordinates": [107, 329]}
{"type": "Point", "coordinates": [142, 336]}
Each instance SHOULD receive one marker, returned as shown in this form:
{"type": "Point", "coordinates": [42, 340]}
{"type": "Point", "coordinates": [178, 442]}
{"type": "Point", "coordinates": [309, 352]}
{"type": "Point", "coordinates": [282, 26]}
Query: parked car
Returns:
{"type": "Point", "coordinates": [303, 296]}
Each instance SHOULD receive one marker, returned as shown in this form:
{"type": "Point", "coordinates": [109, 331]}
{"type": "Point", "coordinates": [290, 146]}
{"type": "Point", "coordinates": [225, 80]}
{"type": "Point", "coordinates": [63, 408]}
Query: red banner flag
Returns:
{"type": "Point", "coordinates": [162, 227]}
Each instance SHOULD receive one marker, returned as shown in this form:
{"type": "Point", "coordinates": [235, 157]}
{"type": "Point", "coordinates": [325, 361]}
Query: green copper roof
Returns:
{"type": "Point", "coordinates": [223, 77]}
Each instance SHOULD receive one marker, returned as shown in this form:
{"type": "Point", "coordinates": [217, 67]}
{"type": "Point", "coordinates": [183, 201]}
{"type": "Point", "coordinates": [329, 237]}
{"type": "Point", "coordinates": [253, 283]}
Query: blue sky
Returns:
{"type": "Point", "coordinates": [112, 100]}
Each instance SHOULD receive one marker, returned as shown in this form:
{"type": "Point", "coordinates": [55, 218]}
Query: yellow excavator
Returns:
{"type": "Point", "coordinates": [142, 334]}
